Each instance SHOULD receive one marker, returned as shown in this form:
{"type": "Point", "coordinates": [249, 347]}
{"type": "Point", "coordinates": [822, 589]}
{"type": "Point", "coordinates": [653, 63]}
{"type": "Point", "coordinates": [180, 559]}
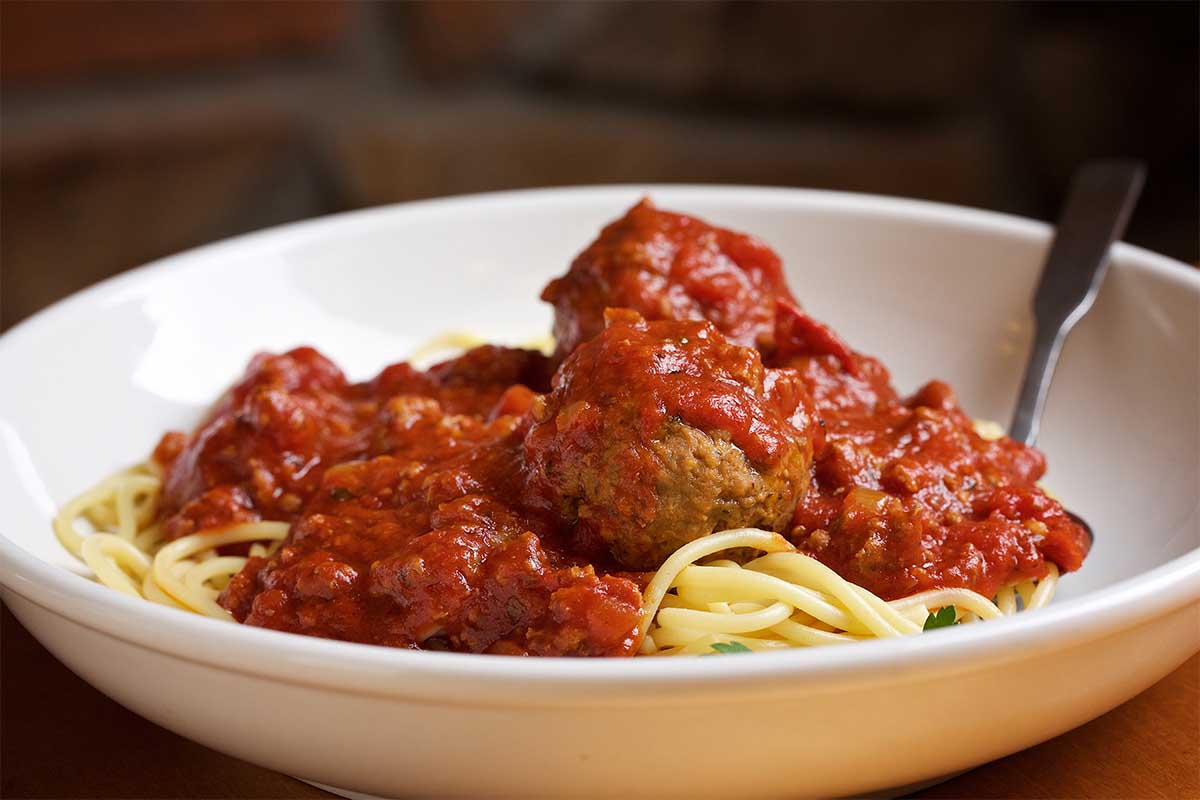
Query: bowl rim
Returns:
{"type": "Point", "coordinates": [472, 678]}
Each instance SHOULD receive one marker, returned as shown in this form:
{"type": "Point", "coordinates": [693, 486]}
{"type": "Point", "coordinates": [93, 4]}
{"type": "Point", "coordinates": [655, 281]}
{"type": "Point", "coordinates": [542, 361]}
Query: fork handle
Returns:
{"type": "Point", "coordinates": [1099, 204]}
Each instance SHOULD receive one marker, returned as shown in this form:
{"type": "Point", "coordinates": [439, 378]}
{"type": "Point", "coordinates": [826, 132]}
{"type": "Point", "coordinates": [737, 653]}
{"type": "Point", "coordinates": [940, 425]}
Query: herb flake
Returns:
{"type": "Point", "coordinates": [942, 618]}
{"type": "Point", "coordinates": [727, 648]}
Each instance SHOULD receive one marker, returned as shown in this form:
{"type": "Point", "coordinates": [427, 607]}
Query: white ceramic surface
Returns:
{"type": "Point", "coordinates": [89, 384]}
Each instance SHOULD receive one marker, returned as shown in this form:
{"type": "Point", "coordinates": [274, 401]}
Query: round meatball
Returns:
{"type": "Point", "coordinates": [670, 266]}
{"type": "Point", "coordinates": [657, 433]}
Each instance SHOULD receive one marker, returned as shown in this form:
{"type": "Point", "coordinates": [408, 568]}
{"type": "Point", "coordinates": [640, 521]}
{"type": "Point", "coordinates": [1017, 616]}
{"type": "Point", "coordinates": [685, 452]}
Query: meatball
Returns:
{"type": "Point", "coordinates": [670, 266]}
{"type": "Point", "coordinates": [657, 433]}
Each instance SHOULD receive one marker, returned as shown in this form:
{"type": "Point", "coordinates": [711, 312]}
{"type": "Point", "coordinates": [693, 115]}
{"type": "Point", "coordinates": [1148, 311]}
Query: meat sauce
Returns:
{"type": "Point", "coordinates": [906, 495]}
{"type": "Point", "coordinates": [404, 494]}
{"type": "Point", "coordinates": [418, 503]}
{"type": "Point", "coordinates": [670, 266]}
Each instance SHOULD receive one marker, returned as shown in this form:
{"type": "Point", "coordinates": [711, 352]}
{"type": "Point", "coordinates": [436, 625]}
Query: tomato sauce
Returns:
{"type": "Point", "coordinates": [418, 500]}
{"type": "Point", "coordinates": [404, 494]}
{"type": "Point", "coordinates": [906, 496]}
{"type": "Point", "coordinates": [670, 266]}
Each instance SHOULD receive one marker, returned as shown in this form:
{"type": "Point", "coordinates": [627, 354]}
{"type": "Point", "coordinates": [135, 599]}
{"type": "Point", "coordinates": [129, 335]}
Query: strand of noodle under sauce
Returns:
{"type": "Point", "coordinates": [127, 553]}
{"type": "Point", "coordinates": [455, 343]}
{"type": "Point", "coordinates": [788, 599]}
{"type": "Point", "coordinates": [191, 593]}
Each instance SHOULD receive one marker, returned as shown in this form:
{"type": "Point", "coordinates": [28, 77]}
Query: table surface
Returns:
{"type": "Point", "coordinates": [63, 739]}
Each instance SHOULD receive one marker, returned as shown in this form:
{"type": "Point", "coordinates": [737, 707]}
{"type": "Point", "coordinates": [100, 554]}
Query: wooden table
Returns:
{"type": "Point", "coordinates": [63, 739]}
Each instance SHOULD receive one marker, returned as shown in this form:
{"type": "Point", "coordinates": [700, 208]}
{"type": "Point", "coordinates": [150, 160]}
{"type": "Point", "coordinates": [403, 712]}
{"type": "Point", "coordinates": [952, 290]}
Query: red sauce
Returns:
{"type": "Point", "coordinates": [262, 450]}
{"type": "Point", "coordinates": [906, 496]}
{"type": "Point", "coordinates": [428, 508]}
{"type": "Point", "coordinates": [408, 525]}
{"type": "Point", "coordinates": [687, 370]}
{"type": "Point", "coordinates": [669, 266]}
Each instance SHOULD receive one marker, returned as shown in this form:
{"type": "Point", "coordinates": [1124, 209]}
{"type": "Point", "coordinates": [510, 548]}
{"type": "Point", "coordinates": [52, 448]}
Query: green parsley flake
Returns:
{"type": "Point", "coordinates": [941, 618]}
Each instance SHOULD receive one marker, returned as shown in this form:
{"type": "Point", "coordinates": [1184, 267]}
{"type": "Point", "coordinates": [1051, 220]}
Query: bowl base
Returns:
{"type": "Point", "coordinates": [347, 793]}
{"type": "Point", "coordinates": [886, 794]}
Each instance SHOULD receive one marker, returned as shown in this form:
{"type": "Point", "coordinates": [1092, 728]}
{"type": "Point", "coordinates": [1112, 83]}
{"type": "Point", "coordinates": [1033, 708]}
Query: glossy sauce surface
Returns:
{"type": "Point", "coordinates": [669, 266]}
{"type": "Point", "coordinates": [408, 527]}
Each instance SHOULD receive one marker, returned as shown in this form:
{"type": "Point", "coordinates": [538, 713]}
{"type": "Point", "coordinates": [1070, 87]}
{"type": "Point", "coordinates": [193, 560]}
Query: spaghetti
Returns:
{"type": "Point", "coordinates": [126, 550]}
{"type": "Point", "coordinates": [455, 343]}
{"type": "Point", "coordinates": [787, 599]}
{"type": "Point", "coordinates": [779, 600]}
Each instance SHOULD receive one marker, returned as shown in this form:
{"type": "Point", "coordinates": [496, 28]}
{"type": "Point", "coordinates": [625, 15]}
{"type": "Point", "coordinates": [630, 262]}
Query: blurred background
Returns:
{"type": "Point", "coordinates": [131, 130]}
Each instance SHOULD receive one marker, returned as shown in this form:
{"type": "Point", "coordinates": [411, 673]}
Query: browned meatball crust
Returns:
{"type": "Point", "coordinates": [657, 433]}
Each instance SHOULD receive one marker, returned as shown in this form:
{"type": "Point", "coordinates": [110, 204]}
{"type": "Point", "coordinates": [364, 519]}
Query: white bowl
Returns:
{"type": "Point", "coordinates": [90, 383]}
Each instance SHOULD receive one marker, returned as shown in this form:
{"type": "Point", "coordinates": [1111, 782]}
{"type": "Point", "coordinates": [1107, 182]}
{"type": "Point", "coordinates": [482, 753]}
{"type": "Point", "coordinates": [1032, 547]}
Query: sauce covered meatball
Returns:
{"type": "Point", "coordinates": [670, 266]}
{"type": "Point", "coordinates": [658, 433]}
